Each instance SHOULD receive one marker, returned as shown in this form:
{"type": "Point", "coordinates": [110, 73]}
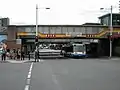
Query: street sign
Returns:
{"type": "Point", "coordinates": [18, 41]}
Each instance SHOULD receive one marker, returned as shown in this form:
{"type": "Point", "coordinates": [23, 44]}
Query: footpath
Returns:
{"type": "Point", "coordinates": [32, 60]}
{"type": "Point", "coordinates": [112, 58]}
{"type": "Point", "coordinates": [19, 61]}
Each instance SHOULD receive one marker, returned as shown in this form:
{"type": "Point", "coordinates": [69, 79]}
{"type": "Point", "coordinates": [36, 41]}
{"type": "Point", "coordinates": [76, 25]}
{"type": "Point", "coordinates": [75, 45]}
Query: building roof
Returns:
{"type": "Point", "coordinates": [91, 24]}
{"type": "Point", "coordinates": [108, 14]}
{"type": "Point", "coordinates": [18, 26]}
{"type": "Point", "coordinates": [86, 25]}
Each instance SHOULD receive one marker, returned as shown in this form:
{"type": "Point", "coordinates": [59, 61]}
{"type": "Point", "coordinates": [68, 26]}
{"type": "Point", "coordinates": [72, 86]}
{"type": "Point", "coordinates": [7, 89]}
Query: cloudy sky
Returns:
{"type": "Point", "coordinates": [65, 12]}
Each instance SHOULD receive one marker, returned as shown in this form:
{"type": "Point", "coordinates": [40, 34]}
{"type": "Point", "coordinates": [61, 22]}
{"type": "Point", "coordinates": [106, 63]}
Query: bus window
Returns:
{"type": "Point", "coordinates": [79, 48]}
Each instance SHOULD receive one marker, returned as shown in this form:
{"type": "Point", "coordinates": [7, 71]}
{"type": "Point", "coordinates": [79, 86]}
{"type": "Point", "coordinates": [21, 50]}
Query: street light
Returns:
{"type": "Point", "coordinates": [36, 38]}
{"type": "Point", "coordinates": [111, 29]}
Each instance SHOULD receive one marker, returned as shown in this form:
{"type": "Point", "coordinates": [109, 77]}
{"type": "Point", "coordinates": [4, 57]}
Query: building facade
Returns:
{"type": "Point", "coordinates": [4, 22]}
{"type": "Point", "coordinates": [60, 34]}
{"type": "Point", "coordinates": [105, 19]}
{"type": "Point", "coordinates": [57, 33]}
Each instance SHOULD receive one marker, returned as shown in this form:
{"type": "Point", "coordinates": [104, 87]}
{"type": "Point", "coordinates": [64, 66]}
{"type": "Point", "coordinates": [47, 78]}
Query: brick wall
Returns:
{"type": "Point", "coordinates": [12, 44]}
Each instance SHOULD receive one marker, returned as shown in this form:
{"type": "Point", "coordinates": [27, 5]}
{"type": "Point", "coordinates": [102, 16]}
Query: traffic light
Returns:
{"type": "Point", "coordinates": [36, 39]}
{"type": "Point", "coordinates": [108, 36]}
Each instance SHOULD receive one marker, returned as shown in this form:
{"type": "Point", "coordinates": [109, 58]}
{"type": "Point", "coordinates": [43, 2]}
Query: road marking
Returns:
{"type": "Point", "coordinates": [30, 69]}
{"type": "Point", "coordinates": [26, 87]}
{"type": "Point", "coordinates": [28, 81]}
{"type": "Point", "coordinates": [29, 73]}
{"type": "Point", "coordinates": [29, 77]}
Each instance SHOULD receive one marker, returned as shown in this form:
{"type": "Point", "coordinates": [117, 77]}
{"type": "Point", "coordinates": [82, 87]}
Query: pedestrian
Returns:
{"type": "Point", "coordinates": [11, 54]}
{"type": "Point", "coordinates": [29, 55]}
{"type": "Point", "coordinates": [36, 55]}
{"type": "Point", "coordinates": [14, 54]}
{"type": "Point", "coordinates": [22, 55]}
{"type": "Point", "coordinates": [3, 56]}
{"type": "Point", "coordinates": [18, 54]}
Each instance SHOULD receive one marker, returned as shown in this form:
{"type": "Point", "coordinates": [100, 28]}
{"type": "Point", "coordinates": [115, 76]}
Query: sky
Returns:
{"type": "Point", "coordinates": [61, 12]}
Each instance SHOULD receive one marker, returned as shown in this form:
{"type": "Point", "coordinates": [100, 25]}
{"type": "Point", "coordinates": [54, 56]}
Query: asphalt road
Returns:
{"type": "Point", "coordinates": [68, 74]}
{"type": "Point", "coordinates": [13, 76]}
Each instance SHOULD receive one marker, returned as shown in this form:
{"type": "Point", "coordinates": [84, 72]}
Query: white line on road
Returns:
{"type": "Point", "coordinates": [29, 73]}
{"type": "Point", "coordinates": [26, 87]}
{"type": "Point", "coordinates": [30, 70]}
{"type": "Point", "coordinates": [28, 78]}
{"type": "Point", "coordinates": [28, 81]}
{"type": "Point", "coordinates": [31, 67]}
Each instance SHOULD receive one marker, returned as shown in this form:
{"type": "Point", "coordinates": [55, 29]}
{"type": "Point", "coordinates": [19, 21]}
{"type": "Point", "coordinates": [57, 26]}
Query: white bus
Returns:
{"type": "Point", "coordinates": [74, 50]}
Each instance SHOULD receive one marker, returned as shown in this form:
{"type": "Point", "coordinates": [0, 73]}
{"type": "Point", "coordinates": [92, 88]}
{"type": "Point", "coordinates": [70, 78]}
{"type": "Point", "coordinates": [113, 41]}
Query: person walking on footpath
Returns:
{"type": "Point", "coordinates": [14, 54]}
{"type": "Point", "coordinates": [29, 55]}
{"type": "Point", "coordinates": [22, 55]}
{"type": "Point", "coordinates": [3, 56]}
{"type": "Point", "coordinates": [18, 54]}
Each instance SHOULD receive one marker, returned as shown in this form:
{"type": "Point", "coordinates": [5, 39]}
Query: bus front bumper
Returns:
{"type": "Point", "coordinates": [78, 55]}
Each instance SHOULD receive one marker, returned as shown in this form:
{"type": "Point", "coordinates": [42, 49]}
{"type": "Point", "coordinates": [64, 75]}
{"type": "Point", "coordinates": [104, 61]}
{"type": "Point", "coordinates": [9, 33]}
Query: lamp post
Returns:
{"type": "Point", "coordinates": [36, 38]}
{"type": "Point", "coordinates": [36, 35]}
{"type": "Point", "coordinates": [111, 30]}
{"type": "Point", "coordinates": [36, 20]}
